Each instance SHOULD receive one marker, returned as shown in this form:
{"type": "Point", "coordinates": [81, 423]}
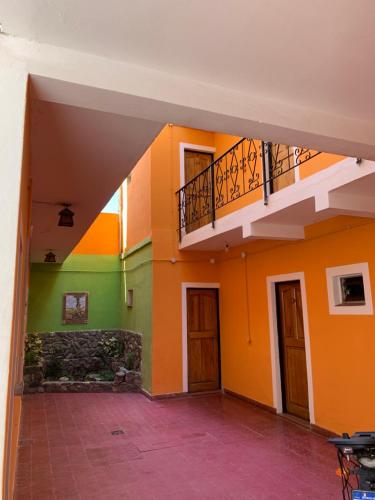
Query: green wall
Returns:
{"type": "Point", "coordinates": [100, 275]}
{"type": "Point", "coordinates": [137, 276]}
{"type": "Point", "coordinates": [107, 280]}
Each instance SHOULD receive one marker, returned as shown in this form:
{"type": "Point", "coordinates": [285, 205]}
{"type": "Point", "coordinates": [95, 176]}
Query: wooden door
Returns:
{"type": "Point", "coordinates": [198, 193]}
{"type": "Point", "coordinates": [292, 349]}
{"type": "Point", "coordinates": [203, 340]}
{"type": "Point", "coordinates": [282, 167]}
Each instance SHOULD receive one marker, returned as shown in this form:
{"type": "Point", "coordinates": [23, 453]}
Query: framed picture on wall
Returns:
{"type": "Point", "coordinates": [75, 308]}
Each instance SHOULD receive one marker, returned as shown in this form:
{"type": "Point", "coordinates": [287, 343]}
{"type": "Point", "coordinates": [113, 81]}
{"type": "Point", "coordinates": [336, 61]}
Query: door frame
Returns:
{"type": "Point", "coordinates": [184, 288]}
{"type": "Point", "coordinates": [191, 147]}
{"type": "Point", "coordinates": [274, 340]}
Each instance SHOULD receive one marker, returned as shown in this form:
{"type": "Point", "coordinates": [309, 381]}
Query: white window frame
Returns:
{"type": "Point", "coordinates": [333, 283]}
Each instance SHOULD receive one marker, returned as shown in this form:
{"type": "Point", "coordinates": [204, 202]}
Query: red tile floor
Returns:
{"type": "Point", "coordinates": [200, 447]}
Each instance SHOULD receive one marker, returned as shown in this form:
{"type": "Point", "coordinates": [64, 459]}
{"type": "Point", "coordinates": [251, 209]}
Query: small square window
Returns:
{"type": "Point", "coordinates": [349, 289]}
{"type": "Point", "coordinates": [352, 290]}
{"type": "Point", "coordinates": [130, 298]}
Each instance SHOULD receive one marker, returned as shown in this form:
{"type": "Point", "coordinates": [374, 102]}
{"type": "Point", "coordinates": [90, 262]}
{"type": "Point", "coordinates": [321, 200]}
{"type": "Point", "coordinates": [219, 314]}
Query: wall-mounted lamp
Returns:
{"type": "Point", "coordinates": [50, 258]}
{"type": "Point", "coordinates": [66, 217]}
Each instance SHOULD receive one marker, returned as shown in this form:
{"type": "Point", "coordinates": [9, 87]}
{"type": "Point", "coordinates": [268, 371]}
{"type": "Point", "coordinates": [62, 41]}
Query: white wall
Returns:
{"type": "Point", "coordinates": [13, 87]}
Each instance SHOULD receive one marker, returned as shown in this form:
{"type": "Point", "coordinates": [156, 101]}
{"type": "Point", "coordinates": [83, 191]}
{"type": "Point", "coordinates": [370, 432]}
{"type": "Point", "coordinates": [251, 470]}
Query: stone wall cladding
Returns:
{"type": "Point", "coordinates": [79, 353]}
{"type": "Point", "coordinates": [73, 386]}
{"type": "Point", "coordinates": [133, 343]}
{"type": "Point", "coordinates": [78, 350]}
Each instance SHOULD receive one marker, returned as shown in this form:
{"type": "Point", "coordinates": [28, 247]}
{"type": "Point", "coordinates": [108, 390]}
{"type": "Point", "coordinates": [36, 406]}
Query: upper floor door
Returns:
{"type": "Point", "coordinates": [282, 171]}
{"type": "Point", "coordinates": [197, 193]}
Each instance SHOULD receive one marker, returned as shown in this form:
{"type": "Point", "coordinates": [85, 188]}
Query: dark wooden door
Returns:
{"type": "Point", "coordinates": [292, 349]}
{"type": "Point", "coordinates": [203, 340]}
{"type": "Point", "coordinates": [197, 194]}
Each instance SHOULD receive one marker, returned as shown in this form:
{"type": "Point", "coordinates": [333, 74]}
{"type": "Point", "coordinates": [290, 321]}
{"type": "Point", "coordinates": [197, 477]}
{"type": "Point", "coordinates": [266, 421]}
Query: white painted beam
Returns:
{"type": "Point", "coordinates": [346, 203]}
{"type": "Point", "coordinates": [76, 78]}
{"type": "Point", "coordinates": [321, 201]}
{"type": "Point", "coordinates": [273, 231]}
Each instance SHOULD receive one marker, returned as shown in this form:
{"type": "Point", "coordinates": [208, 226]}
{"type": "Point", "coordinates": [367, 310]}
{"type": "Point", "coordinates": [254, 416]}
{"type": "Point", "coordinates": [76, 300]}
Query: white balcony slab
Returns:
{"type": "Point", "coordinates": [346, 188]}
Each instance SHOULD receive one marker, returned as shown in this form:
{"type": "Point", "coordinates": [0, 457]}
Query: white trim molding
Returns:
{"type": "Point", "coordinates": [274, 340]}
{"type": "Point", "coordinates": [333, 287]}
{"type": "Point", "coordinates": [184, 287]}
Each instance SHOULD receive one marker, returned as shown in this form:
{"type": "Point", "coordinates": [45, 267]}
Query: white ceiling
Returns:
{"type": "Point", "coordinates": [318, 54]}
{"type": "Point", "coordinates": [78, 156]}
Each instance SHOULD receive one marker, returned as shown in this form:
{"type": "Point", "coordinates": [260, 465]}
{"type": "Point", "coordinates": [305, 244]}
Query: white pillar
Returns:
{"type": "Point", "coordinates": [13, 94]}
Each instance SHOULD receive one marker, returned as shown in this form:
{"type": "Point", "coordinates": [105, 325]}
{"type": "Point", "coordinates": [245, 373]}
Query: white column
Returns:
{"type": "Point", "coordinates": [13, 93]}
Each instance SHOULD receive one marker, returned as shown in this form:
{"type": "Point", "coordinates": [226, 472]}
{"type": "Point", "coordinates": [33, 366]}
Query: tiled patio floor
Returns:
{"type": "Point", "coordinates": [206, 447]}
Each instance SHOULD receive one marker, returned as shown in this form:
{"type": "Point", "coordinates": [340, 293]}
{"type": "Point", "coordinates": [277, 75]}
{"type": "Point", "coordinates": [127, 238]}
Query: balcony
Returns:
{"type": "Point", "coordinates": [261, 190]}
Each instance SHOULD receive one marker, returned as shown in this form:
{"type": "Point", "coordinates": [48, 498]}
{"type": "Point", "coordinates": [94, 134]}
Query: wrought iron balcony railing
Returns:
{"type": "Point", "coordinates": [248, 165]}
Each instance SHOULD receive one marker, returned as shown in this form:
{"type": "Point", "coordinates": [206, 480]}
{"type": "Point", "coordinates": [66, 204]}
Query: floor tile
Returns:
{"type": "Point", "coordinates": [205, 448]}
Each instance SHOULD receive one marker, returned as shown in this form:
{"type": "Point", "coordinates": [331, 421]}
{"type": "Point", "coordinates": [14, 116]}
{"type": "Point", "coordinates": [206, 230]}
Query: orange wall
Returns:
{"type": "Point", "coordinates": [245, 344]}
{"type": "Point", "coordinates": [244, 322]}
{"type": "Point", "coordinates": [165, 178]}
{"type": "Point", "coordinates": [340, 345]}
{"type": "Point", "coordinates": [167, 314]}
{"type": "Point", "coordinates": [223, 142]}
{"type": "Point", "coordinates": [139, 201]}
{"type": "Point", "coordinates": [102, 238]}
{"type": "Point", "coordinates": [167, 277]}
{"type": "Point", "coordinates": [319, 162]}
{"type": "Point", "coordinates": [14, 405]}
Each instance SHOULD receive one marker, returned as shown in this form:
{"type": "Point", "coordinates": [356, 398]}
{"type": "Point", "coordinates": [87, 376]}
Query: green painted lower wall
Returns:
{"type": "Point", "coordinates": [137, 276]}
{"type": "Point", "coordinates": [100, 275]}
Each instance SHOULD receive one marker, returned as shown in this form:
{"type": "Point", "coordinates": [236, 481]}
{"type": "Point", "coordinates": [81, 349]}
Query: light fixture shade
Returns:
{"type": "Point", "coordinates": [66, 218]}
{"type": "Point", "coordinates": [50, 258]}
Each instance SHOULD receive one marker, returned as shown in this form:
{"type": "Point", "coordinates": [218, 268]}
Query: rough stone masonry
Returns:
{"type": "Point", "coordinates": [78, 354]}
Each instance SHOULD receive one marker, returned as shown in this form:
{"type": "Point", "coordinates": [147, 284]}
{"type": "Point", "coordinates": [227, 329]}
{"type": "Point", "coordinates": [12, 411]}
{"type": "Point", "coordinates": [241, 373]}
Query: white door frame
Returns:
{"type": "Point", "coordinates": [274, 340]}
{"type": "Point", "coordinates": [184, 288]}
{"type": "Point", "coordinates": [191, 147]}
